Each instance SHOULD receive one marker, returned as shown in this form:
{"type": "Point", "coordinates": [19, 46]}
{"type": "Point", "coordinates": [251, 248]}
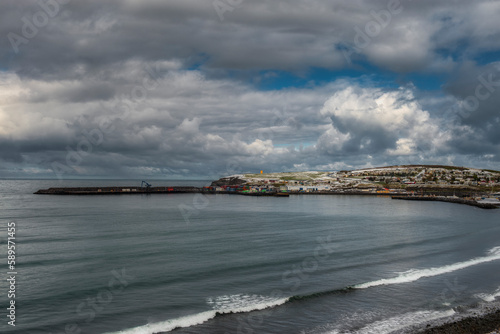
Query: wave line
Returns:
{"type": "Point", "coordinates": [416, 274]}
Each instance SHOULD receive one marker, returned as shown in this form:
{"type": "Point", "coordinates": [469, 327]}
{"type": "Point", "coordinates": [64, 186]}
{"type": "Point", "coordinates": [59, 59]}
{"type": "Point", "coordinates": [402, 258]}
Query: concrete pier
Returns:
{"type": "Point", "coordinates": [117, 190]}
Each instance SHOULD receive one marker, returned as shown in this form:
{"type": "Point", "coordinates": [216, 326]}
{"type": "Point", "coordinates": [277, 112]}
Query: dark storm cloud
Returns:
{"type": "Point", "coordinates": [10, 152]}
{"type": "Point", "coordinates": [477, 92]}
{"type": "Point", "coordinates": [291, 35]}
{"type": "Point", "coordinates": [76, 92]}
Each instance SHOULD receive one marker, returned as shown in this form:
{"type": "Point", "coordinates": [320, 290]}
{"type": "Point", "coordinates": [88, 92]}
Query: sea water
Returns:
{"type": "Point", "coordinates": [192, 263]}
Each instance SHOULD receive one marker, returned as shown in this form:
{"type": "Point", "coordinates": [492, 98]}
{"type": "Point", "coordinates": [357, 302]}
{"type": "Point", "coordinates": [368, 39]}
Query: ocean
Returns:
{"type": "Point", "coordinates": [192, 263]}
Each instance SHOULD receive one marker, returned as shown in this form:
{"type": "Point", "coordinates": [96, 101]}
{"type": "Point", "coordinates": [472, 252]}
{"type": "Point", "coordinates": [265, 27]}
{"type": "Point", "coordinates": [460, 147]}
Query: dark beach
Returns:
{"type": "Point", "coordinates": [485, 324]}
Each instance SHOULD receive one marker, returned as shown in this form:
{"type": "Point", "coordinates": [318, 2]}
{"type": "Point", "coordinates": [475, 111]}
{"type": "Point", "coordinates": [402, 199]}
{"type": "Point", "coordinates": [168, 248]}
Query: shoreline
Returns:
{"type": "Point", "coordinates": [475, 324]}
{"type": "Point", "coordinates": [478, 318]}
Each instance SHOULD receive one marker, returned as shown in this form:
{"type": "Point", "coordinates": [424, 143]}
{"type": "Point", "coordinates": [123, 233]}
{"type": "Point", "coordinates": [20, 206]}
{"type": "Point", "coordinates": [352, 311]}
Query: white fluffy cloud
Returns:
{"type": "Point", "coordinates": [376, 120]}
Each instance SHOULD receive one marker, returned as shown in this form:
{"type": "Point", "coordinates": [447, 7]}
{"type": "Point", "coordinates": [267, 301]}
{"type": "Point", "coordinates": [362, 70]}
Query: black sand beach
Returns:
{"type": "Point", "coordinates": [480, 324]}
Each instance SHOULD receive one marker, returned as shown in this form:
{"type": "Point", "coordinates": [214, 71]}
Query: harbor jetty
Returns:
{"type": "Point", "coordinates": [152, 190]}
{"type": "Point", "coordinates": [117, 190]}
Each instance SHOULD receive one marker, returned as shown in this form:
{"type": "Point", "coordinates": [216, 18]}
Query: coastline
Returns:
{"type": "Point", "coordinates": [479, 318]}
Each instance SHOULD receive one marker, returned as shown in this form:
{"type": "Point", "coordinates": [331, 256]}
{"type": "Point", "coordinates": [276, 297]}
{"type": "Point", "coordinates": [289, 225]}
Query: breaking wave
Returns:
{"type": "Point", "coordinates": [416, 274]}
{"type": "Point", "coordinates": [221, 305]}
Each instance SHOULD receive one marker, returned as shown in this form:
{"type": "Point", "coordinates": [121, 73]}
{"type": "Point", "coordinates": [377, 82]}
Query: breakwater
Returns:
{"type": "Point", "coordinates": [181, 189]}
{"type": "Point", "coordinates": [117, 190]}
{"type": "Point", "coordinates": [149, 190]}
{"type": "Point", "coordinates": [449, 200]}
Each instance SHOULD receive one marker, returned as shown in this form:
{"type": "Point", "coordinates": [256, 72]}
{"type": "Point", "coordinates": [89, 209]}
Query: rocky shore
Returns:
{"type": "Point", "coordinates": [481, 324]}
{"type": "Point", "coordinates": [449, 200]}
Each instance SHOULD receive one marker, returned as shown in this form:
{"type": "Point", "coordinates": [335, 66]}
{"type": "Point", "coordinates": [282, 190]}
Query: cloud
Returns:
{"type": "Point", "coordinates": [257, 35]}
{"type": "Point", "coordinates": [169, 87]}
{"type": "Point", "coordinates": [372, 120]}
{"type": "Point", "coordinates": [185, 122]}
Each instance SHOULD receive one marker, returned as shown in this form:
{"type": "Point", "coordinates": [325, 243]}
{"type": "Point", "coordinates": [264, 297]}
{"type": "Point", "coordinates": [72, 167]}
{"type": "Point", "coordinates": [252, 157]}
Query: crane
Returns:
{"type": "Point", "coordinates": [144, 183]}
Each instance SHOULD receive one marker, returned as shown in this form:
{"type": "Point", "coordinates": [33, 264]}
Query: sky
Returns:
{"type": "Point", "coordinates": [181, 89]}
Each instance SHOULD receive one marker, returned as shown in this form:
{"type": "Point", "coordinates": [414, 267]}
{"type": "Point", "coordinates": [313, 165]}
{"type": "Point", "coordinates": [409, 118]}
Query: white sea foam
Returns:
{"type": "Point", "coordinates": [396, 323]}
{"type": "Point", "coordinates": [403, 321]}
{"type": "Point", "coordinates": [489, 297]}
{"type": "Point", "coordinates": [223, 304]}
{"type": "Point", "coordinates": [243, 303]}
{"type": "Point", "coordinates": [168, 325]}
{"type": "Point", "coordinates": [416, 274]}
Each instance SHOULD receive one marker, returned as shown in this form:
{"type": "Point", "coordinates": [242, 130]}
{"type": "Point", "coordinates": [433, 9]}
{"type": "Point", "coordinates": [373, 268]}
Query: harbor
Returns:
{"type": "Point", "coordinates": [483, 203]}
